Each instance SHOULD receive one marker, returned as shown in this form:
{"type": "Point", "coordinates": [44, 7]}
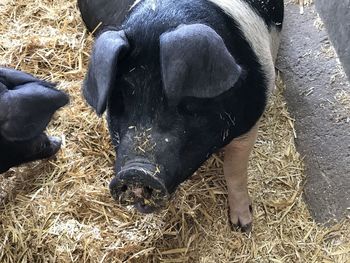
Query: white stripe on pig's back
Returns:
{"type": "Point", "coordinates": [256, 33]}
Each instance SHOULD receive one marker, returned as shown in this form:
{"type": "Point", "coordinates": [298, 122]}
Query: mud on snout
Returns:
{"type": "Point", "coordinates": [139, 184]}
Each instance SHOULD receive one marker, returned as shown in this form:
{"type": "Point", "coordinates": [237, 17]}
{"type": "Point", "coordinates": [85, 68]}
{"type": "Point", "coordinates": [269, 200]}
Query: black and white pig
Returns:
{"type": "Point", "coordinates": [26, 107]}
{"type": "Point", "coordinates": [181, 80]}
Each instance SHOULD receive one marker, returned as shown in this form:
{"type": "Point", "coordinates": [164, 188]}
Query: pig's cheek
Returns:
{"type": "Point", "coordinates": [4, 166]}
{"type": "Point", "coordinates": [9, 156]}
{"type": "Point", "coordinates": [19, 153]}
{"type": "Point", "coordinates": [12, 155]}
{"type": "Point", "coordinates": [3, 169]}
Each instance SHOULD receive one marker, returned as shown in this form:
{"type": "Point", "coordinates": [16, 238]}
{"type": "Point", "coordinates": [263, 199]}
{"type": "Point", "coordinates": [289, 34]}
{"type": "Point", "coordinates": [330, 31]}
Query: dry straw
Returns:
{"type": "Point", "coordinates": [61, 210]}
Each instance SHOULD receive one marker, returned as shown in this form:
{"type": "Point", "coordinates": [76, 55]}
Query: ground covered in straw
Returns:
{"type": "Point", "coordinates": [61, 210]}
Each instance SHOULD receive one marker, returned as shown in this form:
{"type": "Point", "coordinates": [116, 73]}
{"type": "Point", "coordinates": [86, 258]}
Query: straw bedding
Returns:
{"type": "Point", "coordinates": [60, 210]}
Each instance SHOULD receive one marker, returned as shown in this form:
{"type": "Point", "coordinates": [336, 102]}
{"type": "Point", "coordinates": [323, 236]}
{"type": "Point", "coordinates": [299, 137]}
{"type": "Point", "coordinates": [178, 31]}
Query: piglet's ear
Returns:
{"type": "Point", "coordinates": [195, 62]}
{"type": "Point", "coordinates": [26, 110]}
{"type": "Point", "coordinates": [102, 72]}
{"type": "Point", "coordinates": [12, 78]}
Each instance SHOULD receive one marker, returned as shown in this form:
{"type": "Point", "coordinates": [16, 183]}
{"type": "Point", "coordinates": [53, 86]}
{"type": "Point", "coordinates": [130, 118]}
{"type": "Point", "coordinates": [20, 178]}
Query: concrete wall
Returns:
{"type": "Point", "coordinates": [323, 137]}
{"type": "Point", "coordinates": [336, 16]}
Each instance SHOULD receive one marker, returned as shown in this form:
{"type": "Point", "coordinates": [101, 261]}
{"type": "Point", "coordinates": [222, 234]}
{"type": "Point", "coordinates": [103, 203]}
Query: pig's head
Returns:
{"type": "Point", "coordinates": [169, 106]}
{"type": "Point", "coordinates": [26, 107]}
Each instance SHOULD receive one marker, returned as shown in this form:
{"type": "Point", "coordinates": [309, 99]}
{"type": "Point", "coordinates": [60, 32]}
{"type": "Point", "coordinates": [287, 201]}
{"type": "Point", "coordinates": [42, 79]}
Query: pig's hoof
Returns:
{"type": "Point", "coordinates": [243, 228]}
{"type": "Point", "coordinates": [242, 220]}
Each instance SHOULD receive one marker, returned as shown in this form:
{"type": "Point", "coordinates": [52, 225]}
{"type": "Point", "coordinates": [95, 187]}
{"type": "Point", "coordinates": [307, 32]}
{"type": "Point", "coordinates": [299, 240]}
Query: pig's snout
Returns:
{"type": "Point", "coordinates": [139, 184]}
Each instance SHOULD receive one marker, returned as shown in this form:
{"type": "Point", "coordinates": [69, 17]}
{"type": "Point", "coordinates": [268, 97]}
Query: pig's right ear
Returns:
{"type": "Point", "coordinates": [26, 110]}
{"type": "Point", "coordinates": [108, 49]}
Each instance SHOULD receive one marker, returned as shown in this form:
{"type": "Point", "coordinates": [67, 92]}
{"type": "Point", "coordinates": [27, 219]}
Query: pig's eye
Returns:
{"type": "Point", "coordinates": [194, 107]}
{"type": "Point", "coordinates": [116, 103]}
{"type": "Point", "coordinates": [186, 108]}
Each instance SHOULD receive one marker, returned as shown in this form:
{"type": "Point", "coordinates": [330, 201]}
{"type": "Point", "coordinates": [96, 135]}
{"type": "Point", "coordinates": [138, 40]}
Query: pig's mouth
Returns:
{"type": "Point", "coordinates": [145, 209]}
{"type": "Point", "coordinates": [137, 184]}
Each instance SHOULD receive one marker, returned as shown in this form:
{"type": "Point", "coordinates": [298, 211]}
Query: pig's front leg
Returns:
{"type": "Point", "coordinates": [235, 171]}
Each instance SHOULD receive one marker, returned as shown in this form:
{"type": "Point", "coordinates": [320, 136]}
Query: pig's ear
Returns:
{"type": "Point", "coordinates": [195, 62]}
{"type": "Point", "coordinates": [102, 72]}
{"type": "Point", "coordinates": [12, 78]}
{"type": "Point", "coordinates": [26, 110]}
{"type": "Point", "coordinates": [3, 89]}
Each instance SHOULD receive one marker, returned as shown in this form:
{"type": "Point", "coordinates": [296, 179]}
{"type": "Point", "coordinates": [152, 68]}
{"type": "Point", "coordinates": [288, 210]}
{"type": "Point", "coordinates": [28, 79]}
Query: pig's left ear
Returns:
{"type": "Point", "coordinates": [195, 62]}
{"type": "Point", "coordinates": [26, 110]}
{"type": "Point", "coordinates": [102, 72]}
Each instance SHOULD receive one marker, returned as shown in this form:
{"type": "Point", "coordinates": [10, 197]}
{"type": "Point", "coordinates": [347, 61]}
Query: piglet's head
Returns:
{"type": "Point", "coordinates": [27, 105]}
{"type": "Point", "coordinates": [164, 101]}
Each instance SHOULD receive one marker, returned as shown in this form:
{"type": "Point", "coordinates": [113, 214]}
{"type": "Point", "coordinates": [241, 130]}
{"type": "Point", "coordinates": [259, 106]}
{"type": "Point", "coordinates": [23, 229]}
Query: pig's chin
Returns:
{"type": "Point", "coordinates": [145, 209]}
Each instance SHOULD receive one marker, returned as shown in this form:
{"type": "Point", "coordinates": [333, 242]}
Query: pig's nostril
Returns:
{"type": "Point", "coordinates": [147, 191]}
{"type": "Point", "coordinates": [133, 186]}
{"type": "Point", "coordinates": [124, 188]}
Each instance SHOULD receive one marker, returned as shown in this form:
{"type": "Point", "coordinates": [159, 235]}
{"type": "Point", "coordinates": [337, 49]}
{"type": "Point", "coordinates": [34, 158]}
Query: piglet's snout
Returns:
{"type": "Point", "coordinates": [139, 184]}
